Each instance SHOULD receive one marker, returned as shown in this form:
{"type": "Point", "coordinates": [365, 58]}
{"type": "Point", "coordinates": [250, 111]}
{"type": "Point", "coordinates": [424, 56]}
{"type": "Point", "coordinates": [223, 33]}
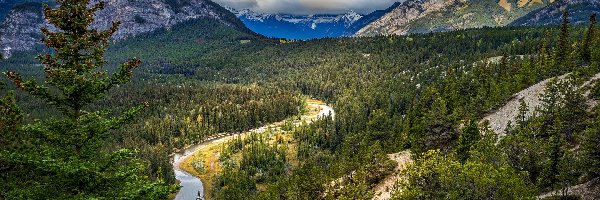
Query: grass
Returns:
{"type": "Point", "coordinates": [212, 151]}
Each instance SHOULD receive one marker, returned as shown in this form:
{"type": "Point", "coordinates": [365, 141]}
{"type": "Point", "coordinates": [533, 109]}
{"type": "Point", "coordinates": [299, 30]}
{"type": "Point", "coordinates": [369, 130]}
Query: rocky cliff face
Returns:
{"type": "Point", "coordinates": [368, 19]}
{"type": "Point", "coordinates": [580, 12]}
{"type": "Point", "coordinates": [422, 16]}
{"type": "Point", "coordinates": [20, 30]}
{"type": "Point", "coordinates": [398, 20]}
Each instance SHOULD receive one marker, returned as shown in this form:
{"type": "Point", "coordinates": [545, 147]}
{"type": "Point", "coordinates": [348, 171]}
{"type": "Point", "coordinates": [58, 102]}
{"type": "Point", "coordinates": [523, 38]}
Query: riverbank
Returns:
{"type": "Point", "coordinates": [208, 152]}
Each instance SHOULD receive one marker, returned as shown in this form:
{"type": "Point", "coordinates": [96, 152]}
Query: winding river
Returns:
{"type": "Point", "coordinates": [191, 186]}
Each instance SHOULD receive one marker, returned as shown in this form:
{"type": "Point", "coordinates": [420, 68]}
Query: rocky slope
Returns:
{"type": "Point", "coordinates": [7, 5]}
{"type": "Point", "coordinates": [368, 19]}
{"type": "Point", "coordinates": [300, 27]}
{"type": "Point", "coordinates": [499, 119]}
{"type": "Point", "coordinates": [580, 11]}
{"type": "Point", "coordinates": [20, 30]}
{"type": "Point", "coordinates": [422, 16]}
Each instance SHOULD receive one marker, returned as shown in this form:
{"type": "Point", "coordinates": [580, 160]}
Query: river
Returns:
{"type": "Point", "coordinates": [191, 186]}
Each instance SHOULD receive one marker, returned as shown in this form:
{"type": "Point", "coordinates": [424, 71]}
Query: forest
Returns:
{"type": "Point", "coordinates": [114, 125]}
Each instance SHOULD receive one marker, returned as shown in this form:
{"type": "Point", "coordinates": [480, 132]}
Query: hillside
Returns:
{"type": "Point", "coordinates": [425, 16]}
{"type": "Point", "coordinates": [580, 12]}
{"type": "Point", "coordinates": [367, 19]}
{"type": "Point", "coordinates": [7, 5]}
{"type": "Point", "coordinates": [20, 30]}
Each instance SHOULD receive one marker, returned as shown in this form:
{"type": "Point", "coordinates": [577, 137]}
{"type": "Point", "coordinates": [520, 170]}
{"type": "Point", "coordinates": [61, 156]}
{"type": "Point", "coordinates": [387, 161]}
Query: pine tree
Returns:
{"type": "Point", "coordinates": [586, 54]}
{"type": "Point", "coordinates": [523, 110]}
{"type": "Point", "coordinates": [470, 135]}
{"type": "Point", "coordinates": [563, 50]}
{"type": "Point", "coordinates": [551, 169]}
{"type": "Point", "coordinates": [591, 147]}
{"type": "Point", "coordinates": [67, 159]}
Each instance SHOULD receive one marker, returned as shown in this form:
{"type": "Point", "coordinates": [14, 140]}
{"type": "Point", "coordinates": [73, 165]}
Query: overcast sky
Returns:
{"type": "Point", "coordinates": [309, 6]}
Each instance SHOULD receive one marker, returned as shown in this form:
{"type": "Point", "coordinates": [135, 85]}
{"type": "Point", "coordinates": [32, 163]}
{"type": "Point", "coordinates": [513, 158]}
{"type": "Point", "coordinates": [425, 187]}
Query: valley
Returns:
{"type": "Point", "coordinates": [186, 100]}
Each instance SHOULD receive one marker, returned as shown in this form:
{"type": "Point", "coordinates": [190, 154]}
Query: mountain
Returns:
{"type": "Point", "coordinates": [422, 16]}
{"type": "Point", "coordinates": [367, 19]}
{"type": "Point", "coordinates": [7, 5]}
{"type": "Point", "coordinates": [20, 30]}
{"type": "Point", "coordinates": [580, 12]}
{"type": "Point", "coordinates": [300, 27]}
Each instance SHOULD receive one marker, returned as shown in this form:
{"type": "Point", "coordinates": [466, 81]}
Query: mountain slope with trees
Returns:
{"type": "Point", "coordinates": [550, 15]}
{"type": "Point", "coordinates": [425, 16]}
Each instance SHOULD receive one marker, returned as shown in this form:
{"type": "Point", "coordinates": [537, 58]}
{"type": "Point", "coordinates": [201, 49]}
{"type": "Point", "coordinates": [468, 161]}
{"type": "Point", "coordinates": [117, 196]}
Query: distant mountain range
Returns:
{"type": "Point", "coordinates": [300, 27]}
{"type": "Point", "coordinates": [423, 16]}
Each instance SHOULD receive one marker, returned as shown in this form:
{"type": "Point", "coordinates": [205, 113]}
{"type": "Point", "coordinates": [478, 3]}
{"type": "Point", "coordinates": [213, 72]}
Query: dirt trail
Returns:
{"type": "Point", "coordinates": [588, 191]}
{"type": "Point", "coordinates": [383, 191]}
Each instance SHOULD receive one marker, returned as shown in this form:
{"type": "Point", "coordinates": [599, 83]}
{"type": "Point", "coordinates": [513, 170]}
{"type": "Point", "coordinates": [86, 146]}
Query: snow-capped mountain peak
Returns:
{"type": "Point", "coordinates": [352, 16]}
{"type": "Point", "coordinates": [297, 26]}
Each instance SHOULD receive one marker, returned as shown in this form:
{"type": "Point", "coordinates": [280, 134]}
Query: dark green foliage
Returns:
{"type": "Point", "coordinates": [586, 53]}
{"type": "Point", "coordinates": [470, 134]}
{"type": "Point", "coordinates": [595, 93]}
{"type": "Point", "coordinates": [563, 49]}
{"type": "Point", "coordinates": [434, 176]}
{"type": "Point", "coordinates": [56, 150]}
{"type": "Point", "coordinates": [591, 146]}
{"type": "Point", "coordinates": [264, 163]}
{"type": "Point", "coordinates": [234, 185]}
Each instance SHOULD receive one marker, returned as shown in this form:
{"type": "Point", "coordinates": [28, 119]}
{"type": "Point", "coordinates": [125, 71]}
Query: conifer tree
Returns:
{"type": "Point", "coordinates": [563, 50]}
{"type": "Point", "coordinates": [64, 157]}
{"type": "Point", "coordinates": [591, 146]}
{"type": "Point", "coordinates": [586, 54]}
{"type": "Point", "coordinates": [523, 110]}
{"type": "Point", "coordinates": [470, 135]}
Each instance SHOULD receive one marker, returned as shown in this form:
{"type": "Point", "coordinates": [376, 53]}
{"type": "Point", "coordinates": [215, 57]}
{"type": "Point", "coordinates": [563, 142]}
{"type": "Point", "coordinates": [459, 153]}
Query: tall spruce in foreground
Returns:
{"type": "Point", "coordinates": [63, 157]}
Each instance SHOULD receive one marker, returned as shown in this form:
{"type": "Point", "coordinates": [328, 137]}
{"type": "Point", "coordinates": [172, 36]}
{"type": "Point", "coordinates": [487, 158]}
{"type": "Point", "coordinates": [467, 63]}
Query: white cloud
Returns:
{"type": "Point", "coordinates": [309, 6]}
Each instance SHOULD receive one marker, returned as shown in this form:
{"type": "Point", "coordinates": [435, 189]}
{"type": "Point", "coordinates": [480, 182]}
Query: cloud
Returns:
{"type": "Point", "coordinates": [239, 3]}
{"type": "Point", "coordinates": [305, 7]}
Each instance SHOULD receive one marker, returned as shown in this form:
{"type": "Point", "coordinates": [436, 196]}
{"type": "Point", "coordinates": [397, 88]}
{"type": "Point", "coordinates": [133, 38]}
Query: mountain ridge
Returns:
{"type": "Point", "coordinates": [422, 16]}
{"type": "Point", "coordinates": [580, 12]}
{"type": "Point", "coordinates": [302, 27]}
{"type": "Point", "coordinates": [20, 31]}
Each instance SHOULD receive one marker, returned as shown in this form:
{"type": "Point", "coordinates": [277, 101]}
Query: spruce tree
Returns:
{"type": "Point", "coordinates": [522, 116]}
{"type": "Point", "coordinates": [591, 147]}
{"type": "Point", "coordinates": [563, 49]}
{"type": "Point", "coordinates": [470, 135]}
{"type": "Point", "coordinates": [586, 53]}
{"type": "Point", "coordinates": [64, 157]}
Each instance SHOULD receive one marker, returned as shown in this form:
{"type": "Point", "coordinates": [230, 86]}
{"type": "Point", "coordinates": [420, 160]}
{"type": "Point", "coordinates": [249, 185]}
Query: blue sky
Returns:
{"type": "Point", "coordinates": [306, 7]}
